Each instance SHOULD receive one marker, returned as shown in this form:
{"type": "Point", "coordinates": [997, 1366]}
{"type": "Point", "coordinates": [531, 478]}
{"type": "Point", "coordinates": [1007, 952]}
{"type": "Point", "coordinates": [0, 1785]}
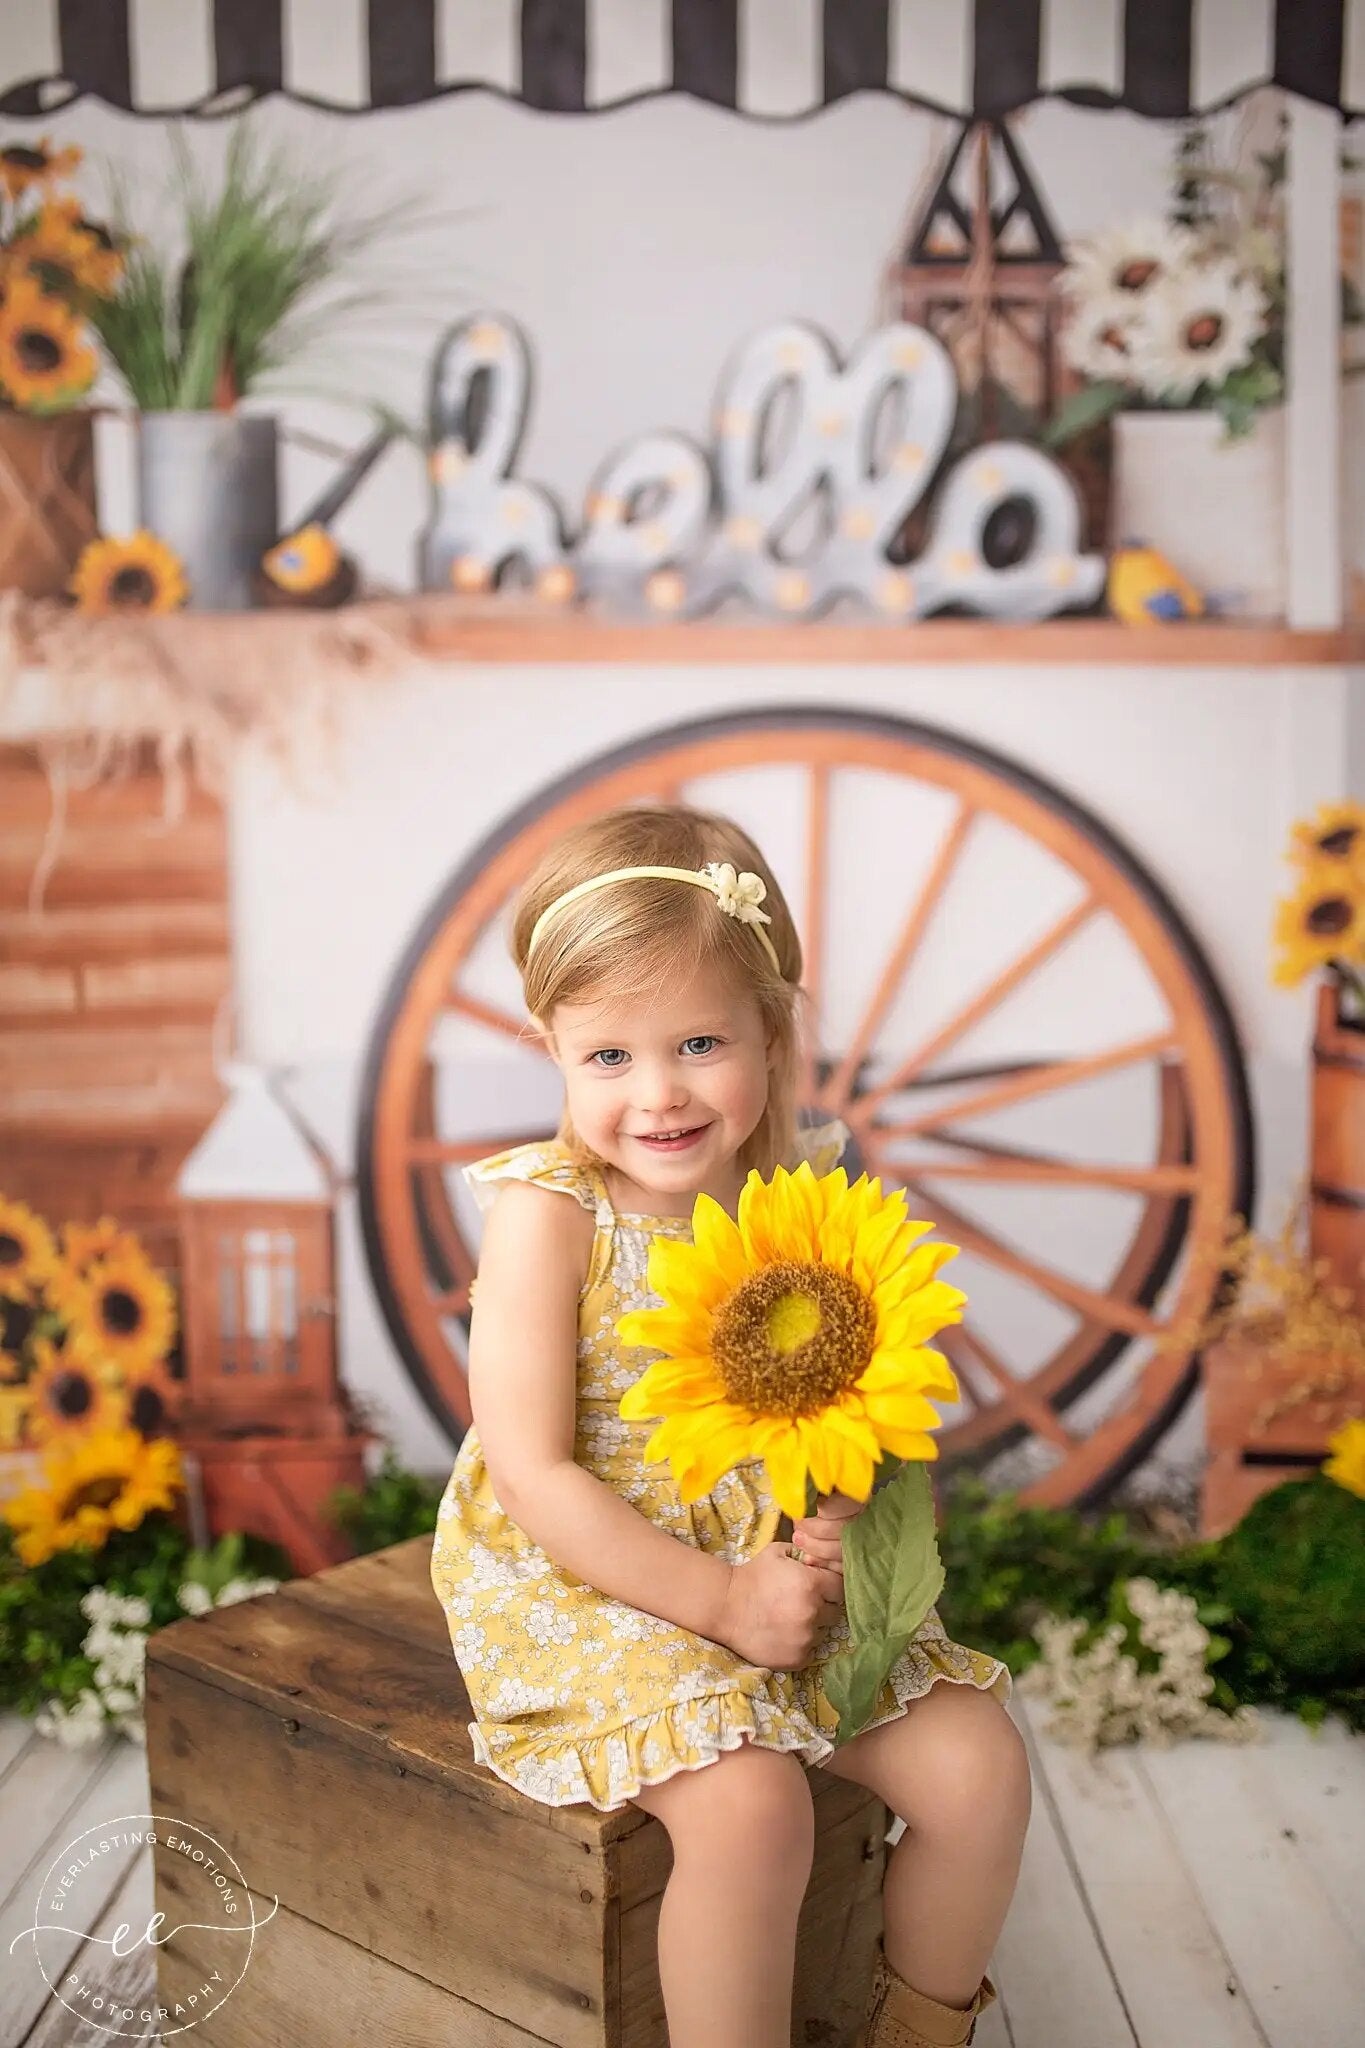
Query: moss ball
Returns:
{"type": "Point", "coordinates": [1293, 1570]}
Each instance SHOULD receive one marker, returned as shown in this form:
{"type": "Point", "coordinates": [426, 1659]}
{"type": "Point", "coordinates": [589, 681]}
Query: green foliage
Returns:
{"type": "Point", "coordinates": [1007, 1564]}
{"type": "Point", "coordinates": [41, 1623]}
{"type": "Point", "coordinates": [892, 1577]}
{"type": "Point", "coordinates": [1294, 1570]}
{"type": "Point", "coordinates": [391, 1507]}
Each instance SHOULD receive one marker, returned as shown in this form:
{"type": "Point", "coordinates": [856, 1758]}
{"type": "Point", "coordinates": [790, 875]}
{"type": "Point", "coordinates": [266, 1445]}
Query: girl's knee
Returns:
{"type": "Point", "coordinates": [750, 1801]}
{"type": "Point", "coordinates": [979, 1763]}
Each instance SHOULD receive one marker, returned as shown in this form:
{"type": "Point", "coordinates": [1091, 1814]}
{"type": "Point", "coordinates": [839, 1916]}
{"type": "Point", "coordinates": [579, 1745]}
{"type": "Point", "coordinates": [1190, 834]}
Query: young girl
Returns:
{"type": "Point", "coordinates": [618, 1644]}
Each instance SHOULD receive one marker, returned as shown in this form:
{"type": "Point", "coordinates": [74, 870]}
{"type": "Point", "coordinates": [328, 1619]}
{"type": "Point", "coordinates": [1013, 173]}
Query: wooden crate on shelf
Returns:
{"type": "Point", "coordinates": [1254, 1441]}
{"type": "Point", "coordinates": [320, 1735]}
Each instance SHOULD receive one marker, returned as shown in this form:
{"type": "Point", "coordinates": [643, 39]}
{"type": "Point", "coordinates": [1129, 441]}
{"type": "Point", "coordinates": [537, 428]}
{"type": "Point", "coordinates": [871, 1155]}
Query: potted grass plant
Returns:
{"type": "Point", "coordinates": [270, 268]}
{"type": "Point", "coordinates": [55, 266]}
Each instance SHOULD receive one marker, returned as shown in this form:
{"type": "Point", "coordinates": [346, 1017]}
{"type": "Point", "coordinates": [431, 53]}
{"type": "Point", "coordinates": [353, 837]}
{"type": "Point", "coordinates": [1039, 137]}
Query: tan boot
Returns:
{"type": "Point", "coordinates": [898, 2016]}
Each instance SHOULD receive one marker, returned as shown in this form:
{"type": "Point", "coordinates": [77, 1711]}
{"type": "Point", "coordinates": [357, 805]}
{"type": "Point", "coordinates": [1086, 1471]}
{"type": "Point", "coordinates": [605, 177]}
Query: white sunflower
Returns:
{"type": "Point", "coordinates": [1101, 337]}
{"type": "Point", "coordinates": [1130, 259]}
{"type": "Point", "coordinates": [1197, 329]}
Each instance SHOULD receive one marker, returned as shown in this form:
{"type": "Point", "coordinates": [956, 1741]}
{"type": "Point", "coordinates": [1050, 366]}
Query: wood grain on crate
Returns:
{"type": "Point", "coordinates": [1166, 1898]}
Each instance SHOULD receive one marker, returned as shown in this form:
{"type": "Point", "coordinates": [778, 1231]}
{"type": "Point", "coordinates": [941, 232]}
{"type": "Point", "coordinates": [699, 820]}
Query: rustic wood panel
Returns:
{"type": "Point", "coordinates": [532, 1904]}
{"type": "Point", "coordinates": [306, 1985]}
{"type": "Point", "coordinates": [109, 990]}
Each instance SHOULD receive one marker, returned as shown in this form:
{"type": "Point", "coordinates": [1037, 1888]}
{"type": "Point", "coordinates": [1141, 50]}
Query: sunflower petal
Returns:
{"type": "Point", "coordinates": [779, 1444]}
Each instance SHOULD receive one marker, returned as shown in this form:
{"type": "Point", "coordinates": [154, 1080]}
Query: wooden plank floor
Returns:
{"type": "Point", "coordinates": [1198, 1897]}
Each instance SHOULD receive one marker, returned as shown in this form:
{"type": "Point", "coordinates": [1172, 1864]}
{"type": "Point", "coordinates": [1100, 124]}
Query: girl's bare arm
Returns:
{"type": "Point", "coordinates": [522, 1370]}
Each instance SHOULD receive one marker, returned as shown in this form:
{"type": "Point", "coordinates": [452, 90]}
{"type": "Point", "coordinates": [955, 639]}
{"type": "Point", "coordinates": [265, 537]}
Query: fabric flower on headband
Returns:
{"type": "Point", "coordinates": [738, 895]}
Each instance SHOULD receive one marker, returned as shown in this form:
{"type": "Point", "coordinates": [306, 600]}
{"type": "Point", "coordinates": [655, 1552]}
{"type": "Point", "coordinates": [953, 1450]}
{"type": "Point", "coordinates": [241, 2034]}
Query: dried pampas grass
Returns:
{"type": "Point", "coordinates": [195, 688]}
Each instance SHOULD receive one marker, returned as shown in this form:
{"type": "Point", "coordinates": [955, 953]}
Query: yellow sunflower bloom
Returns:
{"type": "Point", "coordinates": [1347, 1461]}
{"type": "Point", "coordinates": [797, 1334]}
{"type": "Point", "coordinates": [1323, 921]}
{"type": "Point", "coordinates": [71, 1397]}
{"type": "Point", "coordinates": [149, 1396]}
{"type": "Point", "coordinates": [119, 1310]}
{"type": "Point", "coordinates": [101, 1481]}
{"type": "Point", "coordinates": [83, 1243]}
{"type": "Point", "coordinates": [27, 1251]}
{"type": "Point", "coordinates": [1336, 834]}
{"type": "Point", "coordinates": [30, 166]}
{"type": "Point", "coordinates": [62, 246]}
{"type": "Point", "coordinates": [45, 359]}
{"type": "Point", "coordinates": [139, 574]}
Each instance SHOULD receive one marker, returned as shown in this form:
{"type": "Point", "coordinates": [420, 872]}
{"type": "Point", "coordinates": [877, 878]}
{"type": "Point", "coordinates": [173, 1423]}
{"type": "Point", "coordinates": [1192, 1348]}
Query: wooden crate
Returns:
{"type": "Point", "coordinates": [1250, 1449]}
{"type": "Point", "coordinates": [319, 1734]}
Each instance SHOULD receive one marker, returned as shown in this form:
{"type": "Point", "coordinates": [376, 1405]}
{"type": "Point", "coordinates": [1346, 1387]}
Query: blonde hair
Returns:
{"type": "Point", "coordinates": [633, 938]}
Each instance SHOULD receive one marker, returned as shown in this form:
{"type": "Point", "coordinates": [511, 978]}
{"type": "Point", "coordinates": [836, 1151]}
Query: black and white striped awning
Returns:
{"type": "Point", "coordinates": [768, 59]}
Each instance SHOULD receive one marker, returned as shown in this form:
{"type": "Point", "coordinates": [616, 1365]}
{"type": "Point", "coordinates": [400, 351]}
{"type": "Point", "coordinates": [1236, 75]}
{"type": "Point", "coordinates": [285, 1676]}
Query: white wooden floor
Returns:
{"type": "Point", "coordinates": [1198, 1897]}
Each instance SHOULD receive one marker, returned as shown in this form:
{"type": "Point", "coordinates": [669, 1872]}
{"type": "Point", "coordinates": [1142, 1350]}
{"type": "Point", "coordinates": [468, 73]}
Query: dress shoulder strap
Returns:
{"type": "Point", "coordinates": [546, 1164]}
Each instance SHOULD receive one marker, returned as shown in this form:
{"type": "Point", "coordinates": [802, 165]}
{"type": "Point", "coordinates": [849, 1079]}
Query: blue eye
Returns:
{"type": "Point", "coordinates": [612, 1065]}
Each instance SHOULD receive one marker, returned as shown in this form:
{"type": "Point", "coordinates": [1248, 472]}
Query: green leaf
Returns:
{"type": "Point", "coordinates": [892, 1577]}
{"type": "Point", "coordinates": [1085, 409]}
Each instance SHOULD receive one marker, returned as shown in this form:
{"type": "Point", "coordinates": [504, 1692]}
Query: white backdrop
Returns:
{"type": "Point", "coordinates": [636, 248]}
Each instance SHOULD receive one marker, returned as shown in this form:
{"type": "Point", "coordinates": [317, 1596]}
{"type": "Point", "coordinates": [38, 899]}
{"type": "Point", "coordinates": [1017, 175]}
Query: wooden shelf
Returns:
{"type": "Point", "coordinates": [493, 631]}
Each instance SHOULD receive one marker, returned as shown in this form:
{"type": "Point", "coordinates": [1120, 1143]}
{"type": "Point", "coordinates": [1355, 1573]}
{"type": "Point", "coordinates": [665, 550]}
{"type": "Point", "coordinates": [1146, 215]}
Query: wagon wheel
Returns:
{"type": "Point", "coordinates": [1087, 1170]}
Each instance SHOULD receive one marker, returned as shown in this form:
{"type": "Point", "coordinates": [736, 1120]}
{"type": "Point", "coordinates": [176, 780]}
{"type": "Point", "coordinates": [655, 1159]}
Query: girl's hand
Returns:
{"type": "Point", "coordinates": [820, 1537]}
{"type": "Point", "coordinates": [774, 1609]}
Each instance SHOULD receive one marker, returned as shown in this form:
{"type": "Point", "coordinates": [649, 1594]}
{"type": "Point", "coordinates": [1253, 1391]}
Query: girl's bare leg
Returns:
{"type": "Point", "coordinates": [743, 1835]}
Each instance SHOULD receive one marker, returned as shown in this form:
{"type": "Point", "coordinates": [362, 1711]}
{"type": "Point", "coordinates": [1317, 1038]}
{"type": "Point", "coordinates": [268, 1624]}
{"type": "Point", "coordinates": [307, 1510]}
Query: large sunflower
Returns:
{"type": "Point", "coordinates": [1323, 921]}
{"type": "Point", "coordinates": [796, 1335]}
{"type": "Point", "coordinates": [140, 574]}
{"type": "Point", "coordinates": [104, 1480]}
{"type": "Point", "coordinates": [120, 1310]}
{"type": "Point", "coordinates": [26, 1251]}
{"type": "Point", "coordinates": [45, 359]}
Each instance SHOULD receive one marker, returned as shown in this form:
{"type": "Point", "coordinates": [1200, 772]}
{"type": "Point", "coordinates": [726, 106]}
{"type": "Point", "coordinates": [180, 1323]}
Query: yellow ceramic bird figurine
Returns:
{"type": "Point", "coordinates": [1145, 589]}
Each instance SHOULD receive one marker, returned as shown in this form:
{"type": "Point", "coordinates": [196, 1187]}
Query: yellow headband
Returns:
{"type": "Point", "coordinates": [737, 895]}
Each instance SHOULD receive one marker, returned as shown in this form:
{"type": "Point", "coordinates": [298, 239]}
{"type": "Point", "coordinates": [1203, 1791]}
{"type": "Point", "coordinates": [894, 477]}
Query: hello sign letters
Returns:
{"type": "Point", "coordinates": [814, 469]}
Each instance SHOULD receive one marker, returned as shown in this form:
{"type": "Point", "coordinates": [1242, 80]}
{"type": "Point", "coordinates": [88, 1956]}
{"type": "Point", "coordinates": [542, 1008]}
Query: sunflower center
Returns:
{"type": "Point", "coordinates": [120, 1311]}
{"type": "Point", "coordinates": [1329, 916]}
{"type": "Point", "coordinates": [38, 350]}
{"type": "Point", "coordinates": [147, 1412]}
{"type": "Point", "coordinates": [16, 1324]}
{"type": "Point", "coordinates": [1135, 275]}
{"type": "Point", "coordinates": [132, 584]}
{"type": "Point", "coordinates": [96, 1493]}
{"type": "Point", "coordinates": [11, 1251]}
{"type": "Point", "coordinates": [792, 1337]}
{"type": "Point", "coordinates": [22, 158]}
{"type": "Point", "coordinates": [72, 1395]}
{"type": "Point", "coordinates": [1338, 844]}
{"type": "Point", "coordinates": [1205, 332]}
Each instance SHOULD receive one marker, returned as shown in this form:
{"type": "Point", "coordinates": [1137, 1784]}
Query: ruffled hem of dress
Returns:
{"type": "Point", "coordinates": [731, 1716]}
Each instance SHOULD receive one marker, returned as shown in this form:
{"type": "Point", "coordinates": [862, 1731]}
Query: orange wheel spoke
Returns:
{"type": "Point", "coordinates": [454, 1151]}
{"type": "Point", "coordinates": [1105, 1309]}
{"type": "Point", "coordinates": [1022, 1087]}
{"type": "Point", "coordinates": [840, 1082]}
{"type": "Point", "coordinates": [1003, 1163]}
{"type": "Point", "coordinates": [484, 1013]}
{"type": "Point", "coordinates": [1014, 1393]}
{"type": "Point", "coordinates": [981, 1004]}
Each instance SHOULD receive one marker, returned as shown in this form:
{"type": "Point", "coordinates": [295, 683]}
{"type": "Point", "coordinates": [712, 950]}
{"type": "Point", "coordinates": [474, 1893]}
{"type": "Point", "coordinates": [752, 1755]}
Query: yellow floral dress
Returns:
{"type": "Point", "coordinates": [576, 1695]}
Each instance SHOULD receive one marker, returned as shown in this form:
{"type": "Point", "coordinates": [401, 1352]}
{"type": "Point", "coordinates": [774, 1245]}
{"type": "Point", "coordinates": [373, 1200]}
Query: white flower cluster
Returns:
{"type": "Point", "coordinates": [1102, 1698]}
{"type": "Point", "coordinates": [1154, 307]}
{"type": "Point", "coordinates": [116, 1644]}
